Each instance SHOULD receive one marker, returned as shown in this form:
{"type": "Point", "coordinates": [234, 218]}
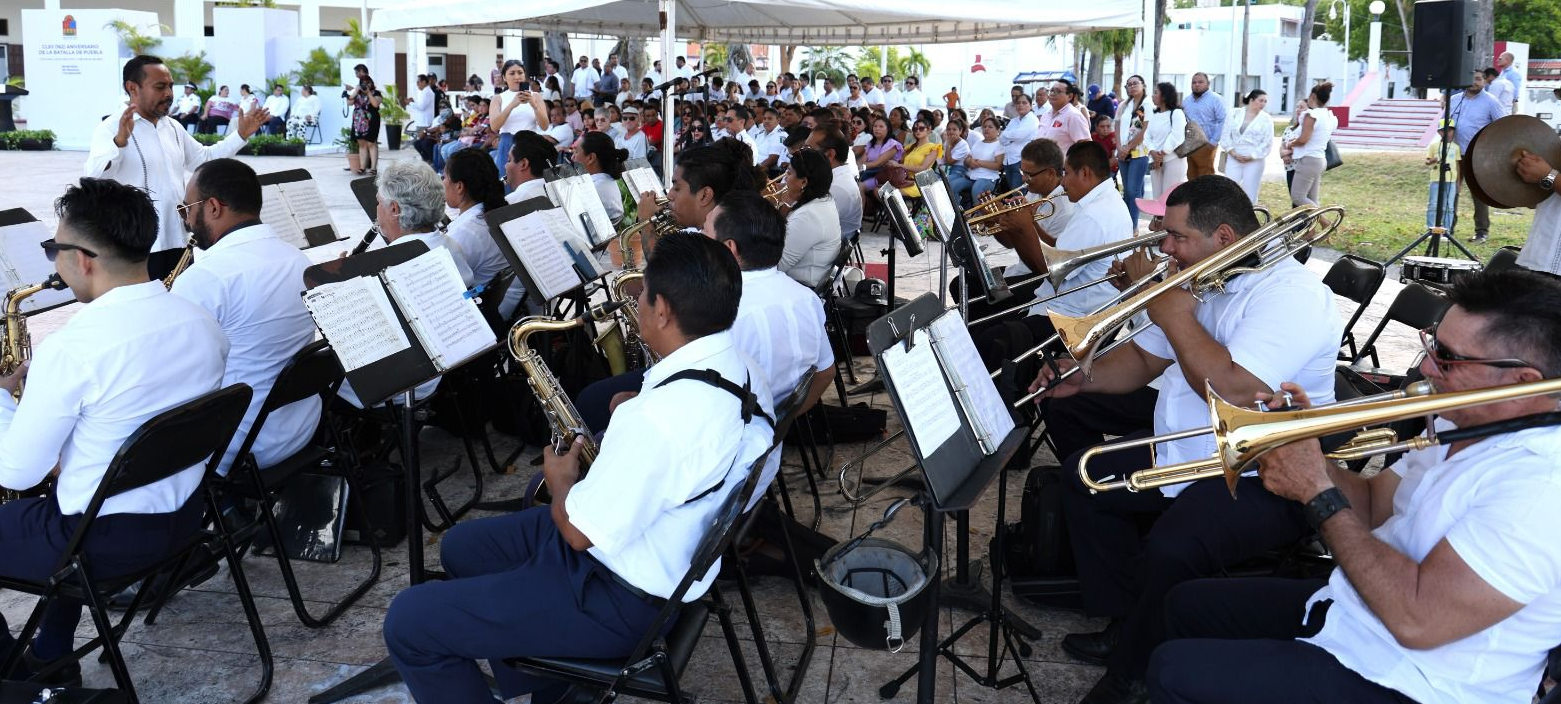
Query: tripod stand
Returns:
{"type": "Point", "coordinates": [1432, 237]}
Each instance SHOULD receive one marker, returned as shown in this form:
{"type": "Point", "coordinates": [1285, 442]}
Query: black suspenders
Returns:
{"type": "Point", "coordinates": [744, 394]}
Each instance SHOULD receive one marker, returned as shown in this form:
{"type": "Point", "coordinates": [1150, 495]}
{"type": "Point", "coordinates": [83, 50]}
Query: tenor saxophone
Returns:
{"type": "Point", "coordinates": [638, 355]}
{"type": "Point", "coordinates": [562, 417]}
{"type": "Point", "coordinates": [185, 260]}
{"type": "Point", "coordinates": [16, 346]}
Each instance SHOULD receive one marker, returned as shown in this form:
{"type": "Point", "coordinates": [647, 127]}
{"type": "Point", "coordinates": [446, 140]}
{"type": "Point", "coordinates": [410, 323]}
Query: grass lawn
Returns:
{"type": "Point", "coordinates": [1384, 199]}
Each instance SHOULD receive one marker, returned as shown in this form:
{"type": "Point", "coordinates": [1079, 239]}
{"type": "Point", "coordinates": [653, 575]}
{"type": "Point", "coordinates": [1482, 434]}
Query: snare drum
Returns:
{"type": "Point", "coordinates": [1438, 271]}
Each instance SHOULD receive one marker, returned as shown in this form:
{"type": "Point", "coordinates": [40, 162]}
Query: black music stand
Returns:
{"type": "Point", "coordinates": [955, 473]}
{"type": "Point", "coordinates": [22, 262]}
{"type": "Point", "coordinates": [1432, 237]}
{"type": "Point", "coordinates": [902, 229]}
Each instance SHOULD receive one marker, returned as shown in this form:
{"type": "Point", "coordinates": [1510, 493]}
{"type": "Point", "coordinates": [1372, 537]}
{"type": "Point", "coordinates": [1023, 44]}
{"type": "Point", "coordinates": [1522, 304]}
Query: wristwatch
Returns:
{"type": "Point", "coordinates": [1324, 505]}
{"type": "Point", "coordinates": [1549, 181]}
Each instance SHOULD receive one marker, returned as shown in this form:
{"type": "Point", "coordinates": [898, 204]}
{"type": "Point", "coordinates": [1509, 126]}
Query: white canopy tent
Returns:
{"type": "Point", "coordinates": [801, 22]}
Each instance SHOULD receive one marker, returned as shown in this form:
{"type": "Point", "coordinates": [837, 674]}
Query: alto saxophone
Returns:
{"type": "Point", "coordinates": [638, 355]}
{"type": "Point", "coordinates": [562, 417]}
{"type": "Point", "coordinates": [16, 346]}
{"type": "Point", "coordinates": [661, 223]}
{"type": "Point", "coordinates": [185, 260]}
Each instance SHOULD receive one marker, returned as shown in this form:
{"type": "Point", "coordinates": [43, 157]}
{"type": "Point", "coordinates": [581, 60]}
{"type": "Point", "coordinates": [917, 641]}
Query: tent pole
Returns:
{"type": "Point", "coordinates": [669, 119]}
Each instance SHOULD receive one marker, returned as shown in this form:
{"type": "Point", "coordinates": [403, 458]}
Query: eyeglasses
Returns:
{"type": "Point", "coordinates": [52, 249]}
{"type": "Point", "coordinates": [1445, 359]}
{"type": "Point", "coordinates": [1038, 172]}
{"type": "Point", "coordinates": [1057, 91]}
{"type": "Point", "coordinates": [184, 209]}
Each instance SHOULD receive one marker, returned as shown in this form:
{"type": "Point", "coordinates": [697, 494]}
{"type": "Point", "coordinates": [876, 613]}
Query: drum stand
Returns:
{"type": "Point", "coordinates": [1436, 233]}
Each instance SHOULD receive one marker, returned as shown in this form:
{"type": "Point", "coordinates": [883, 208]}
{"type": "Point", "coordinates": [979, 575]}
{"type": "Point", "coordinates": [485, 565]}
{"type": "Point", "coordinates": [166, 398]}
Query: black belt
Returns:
{"type": "Point", "coordinates": [641, 594]}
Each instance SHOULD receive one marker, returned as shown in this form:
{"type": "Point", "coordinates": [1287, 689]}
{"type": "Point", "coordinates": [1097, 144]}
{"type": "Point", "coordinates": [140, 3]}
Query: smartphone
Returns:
{"type": "Point", "coordinates": [525, 96]}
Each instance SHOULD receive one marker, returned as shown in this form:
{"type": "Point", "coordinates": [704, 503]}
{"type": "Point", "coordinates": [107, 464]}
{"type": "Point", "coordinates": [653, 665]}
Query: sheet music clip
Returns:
{"type": "Point", "coordinates": [906, 338]}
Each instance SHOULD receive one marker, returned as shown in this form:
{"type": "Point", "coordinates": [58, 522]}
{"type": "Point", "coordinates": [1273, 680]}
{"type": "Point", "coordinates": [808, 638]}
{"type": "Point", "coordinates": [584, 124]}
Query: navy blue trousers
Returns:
{"type": "Point", "coordinates": [33, 535]}
{"type": "Point", "coordinates": [516, 589]}
{"type": "Point", "coordinates": [595, 400]}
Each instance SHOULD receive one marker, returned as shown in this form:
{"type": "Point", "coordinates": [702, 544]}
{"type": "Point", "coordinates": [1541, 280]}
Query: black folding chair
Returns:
{"type": "Point", "coordinates": [1504, 258]}
{"type": "Point", "coordinates": [1417, 306]}
{"type": "Point", "coordinates": [1358, 280]}
{"type": "Point", "coordinates": [196, 432]}
{"type": "Point", "coordinates": [313, 372]}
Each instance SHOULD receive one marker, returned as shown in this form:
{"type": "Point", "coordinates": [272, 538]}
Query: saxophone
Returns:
{"type": "Point", "coordinates": [560, 411]}
{"type": "Point", "coordinates": [16, 346]}
{"type": "Point", "coordinates": [185, 260]}
{"type": "Point", "coordinates": [661, 223]}
{"type": "Point", "coordinates": [638, 355]}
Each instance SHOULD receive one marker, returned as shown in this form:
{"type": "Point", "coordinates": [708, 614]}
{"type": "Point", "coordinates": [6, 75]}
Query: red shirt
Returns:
{"type": "Point", "coordinates": [653, 132]}
{"type": "Point", "coordinates": [1109, 142]}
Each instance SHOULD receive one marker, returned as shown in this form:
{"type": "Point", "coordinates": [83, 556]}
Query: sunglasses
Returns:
{"type": "Point", "coordinates": [1446, 359]}
{"type": "Point", "coordinates": [1038, 172]}
{"type": "Point", "coordinates": [631, 118]}
{"type": "Point", "coordinates": [52, 249]}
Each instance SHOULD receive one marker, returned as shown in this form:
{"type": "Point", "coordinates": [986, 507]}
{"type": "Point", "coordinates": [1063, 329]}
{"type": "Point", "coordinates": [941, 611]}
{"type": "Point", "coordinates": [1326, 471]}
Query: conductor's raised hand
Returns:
{"type": "Point", "coordinates": [251, 122]}
{"type": "Point", "coordinates": [127, 121]}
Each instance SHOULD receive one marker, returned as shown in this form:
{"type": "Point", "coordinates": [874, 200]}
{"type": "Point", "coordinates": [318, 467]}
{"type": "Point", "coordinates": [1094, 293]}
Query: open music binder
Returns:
{"type": "Point", "coordinates": [395, 317]}
{"type": "Point", "coordinates": [641, 178]}
{"type": "Point", "coordinates": [576, 194]}
{"type": "Point", "coordinates": [291, 204]}
{"type": "Point", "coordinates": [957, 423]}
{"type": "Point", "coordinates": [544, 250]}
{"type": "Point", "coordinates": [22, 262]}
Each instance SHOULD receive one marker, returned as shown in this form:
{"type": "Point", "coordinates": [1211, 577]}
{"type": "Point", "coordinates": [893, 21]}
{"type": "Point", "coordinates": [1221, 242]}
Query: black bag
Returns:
{"type": "Point", "coordinates": [384, 500]}
{"type": "Point", "coordinates": [856, 423]}
{"type": "Point", "coordinates": [1038, 544]}
{"type": "Point", "coordinates": [575, 363]}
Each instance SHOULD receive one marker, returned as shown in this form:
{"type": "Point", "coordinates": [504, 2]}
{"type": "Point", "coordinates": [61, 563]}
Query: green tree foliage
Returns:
{"type": "Point", "coordinates": [901, 64]}
{"type": "Point", "coordinates": [131, 35]}
{"type": "Point", "coordinates": [357, 42]}
{"type": "Point", "coordinates": [319, 68]}
{"type": "Point", "coordinates": [1536, 22]}
{"type": "Point", "coordinates": [1115, 43]}
{"type": "Point", "coordinates": [1331, 14]}
{"type": "Point", "coordinates": [832, 62]}
{"type": "Point", "coordinates": [194, 69]}
{"type": "Point", "coordinates": [713, 55]}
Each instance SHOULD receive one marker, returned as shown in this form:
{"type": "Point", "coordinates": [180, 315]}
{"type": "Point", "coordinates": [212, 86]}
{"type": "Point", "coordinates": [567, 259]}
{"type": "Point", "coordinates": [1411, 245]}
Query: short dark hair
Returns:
{"type": "Point", "coordinates": [1090, 155]}
{"type": "Point", "coordinates": [118, 221]}
{"type": "Point", "coordinates": [1043, 153]}
{"type": "Point", "coordinates": [698, 278]}
{"type": "Point", "coordinates": [1522, 312]}
{"type": "Point", "coordinates": [607, 154]}
{"type": "Point", "coordinates": [473, 168]}
{"type": "Point", "coordinates": [360, 67]}
{"type": "Point", "coordinates": [532, 147]}
{"type": "Point", "coordinates": [717, 167]}
{"type": "Point", "coordinates": [832, 140]}
{"type": "Point", "coordinates": [756, 226]}
{"type": "Point", "coordinates": [1490, 72]}
{"type": "Point", "coordinates": [135, 69]}
{"type": "Point", "coordinates": [795, 135]}
{"type": "Point", "coordinates": [812, 165]}
{"type": "Point", "coordinates": [742, 113]}
{"type": "Point", "coordinates": [230, 181]}
{"type": "Point", "coordinates": [1215, 200]}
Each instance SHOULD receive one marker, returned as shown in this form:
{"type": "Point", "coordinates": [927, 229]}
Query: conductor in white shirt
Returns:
{"type": "Point", "coordinates": [249, 280]}
{"type": "Point", "coordinates": [139, 148]}
{"type": "Point", "coordinates": [91, 385]}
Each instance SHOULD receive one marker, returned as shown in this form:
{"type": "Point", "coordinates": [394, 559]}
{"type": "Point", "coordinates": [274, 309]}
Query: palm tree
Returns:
{"type": "Point", "coordinates": [869, 59]}
{"type": "Point", "coordinates": [713, 54]}
{"type": "Point", "coordinates": [915, 63]}
{"type": "Point", "coordinates": [134, 40]}
{"type": "Point", "coordinates": [1117, 43]}
{"type": "Point", "coordinates": [832, 62]}
{"type": "Point", "coordinates": [357, 42]}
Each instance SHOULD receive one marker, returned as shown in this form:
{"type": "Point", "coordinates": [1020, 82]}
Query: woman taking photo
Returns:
{"type": "Point", "coordinates": [514, 109]}
{"type": "Point", "coordinates": [812, 222]}
{"type": "Point", "coordinates": [1249, 136]}
{"type": "Point", "coordinates": [881, 149]}
{"type": "Point", "coordinates": [1308, 151]}
{"type": "Point", "coordinates": [1167, 129]}
{"type": "Point", "coordinates": [1018, 133]}
{"type": "Point", "coordinates": [1132, 157]}
{"type": "Point", "coordinates": [604, 162]}
{"type": "Point", "coordinates": [365, 102]}
{"type": "Point", "coordinates": [986, 159]}
{"type": "Point", "coordinates": [922, 154]}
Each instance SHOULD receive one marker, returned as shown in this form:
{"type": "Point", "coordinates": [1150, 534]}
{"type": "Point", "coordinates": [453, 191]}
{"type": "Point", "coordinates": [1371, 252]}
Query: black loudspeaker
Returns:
{"type": "Point", "coordinates": [1444, 44]}
{"type": "Point", "coordinates": [531, 56]}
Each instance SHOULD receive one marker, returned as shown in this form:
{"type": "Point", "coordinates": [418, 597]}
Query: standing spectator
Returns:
{"type": "Point", "coordinates": [1100, 103]}
{"type": "Point", "coordinates": [1472, 110]}
{"type": "Point", "coordinates": [1286, 154]}
{"type": "Point", "coordinates": [1207, 109]}
{"type": "Point", "coordinates": [550, 70]}
{"type": "Point", "coordinates": [913, 98]}
{"type": "Point", "coordinates": [682, 70]}
{"type": "Point", "coordinates": [892, 97]}
{"type": "Point", "coordinates": [187, 109]}
{"type": "Point", "coordinates": [1504, 62]}
{"type": "Point", "coordinates": [1167, 128]}
{"type": "Point", "coordinates": [606, 88]}
{"type": "Point", "coordinates": [1011, 110]}
{"type": "Point", "coordinates": [583, 78]}
{"type": "Point", "coordinates": [1020, 130]}
{"type": "Point", "coordinates": [1064, 123]}
{"type": "Point", "coordinates": [985, 160]}
{"type": "Point", "coordinates": [1132, 155]}
{"type": "Point", "coordinates": [951, 99]}
{"type": "Point", "coordinates": [420, 107]}
{"type": "Point", "coordinates": [1445, 188]}
{"type": "Point", "coordinates": [365, 100]}
{"type": "Point", "coordinates": [515, 108]}
{"type": "Point", "coordinates": [1501, 89]}
{"type": "Point", "coordinates": [497, 72]}
{"type": "Point", "coordinates": [1308, 151]}
{"type": "Point", "coordinates": [276, 104]}
{"type": "Point", "coordinates": [219, 109]}
{"type": "Point", "coordinates": [1249, 137]}
{"type": "Point", "coordinates": [306, 113]}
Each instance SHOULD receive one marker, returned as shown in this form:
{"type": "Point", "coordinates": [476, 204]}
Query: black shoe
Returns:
{"type": "Point", "coordinates": [195, 578]}
{"type": "Point", "coordinates": [1478, 237]}
{"type": "Point", "coordinates": [1093, 648]}
{"type": "Point", "coordinates": [68, 675]}
{"type": "Point", "coordinates": [1117, 689]}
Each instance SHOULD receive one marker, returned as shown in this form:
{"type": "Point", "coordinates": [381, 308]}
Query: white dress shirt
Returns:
{"type": "Point", "coordinates": [1501, 90]}
{"type": "Point", "coordinates": [1099, 218]}
{"type": "Point", "coordinates": [607, 190]}
{"type": "Point", "coordinates": [812, 241]}
{"type": "Point", "coordinates": [562, 134]}
{"type": "Point", "coordinates": [1253, 140]}
{"type": "Point", "coordinates": [583, 79]}
{"type": "Point", "coordinates": [470, 231]}
{"type": "Point", "coordinates": [1062, 215]}
{"type": "Point", "coordinates": [780, 326]}
{"type": "Point", "coordinates": [1495, 505]}
{"type": "Point", "coordinates": [873, 97]}
{"type": "Point", "coordinates": [421, 108]}
{"type": "Point", "coordinates": [534, 188]}
{"type": "Point", "coordinates": [894, 98]}
{"type": "Point", "coordinates": [1279, 325]}
{"type": "Point", "coordinates": [664, 447]}
{"type": "Point", "coordinates": [684, 72]}
{"type": "Point", "coordinates": [1542, 251]}
{"type": "Point", "coordinates": [95, 381]}
{"type": "Point", "coordinates": [1016, 135]}
{"type": "Point", "coordinates": [831, 97]}
{"type": "Point", "coordinates": [250, 282]}
{"type": "Point", "coordinates": [187, 104]}
{"type": "Point", "coordinates": [848, 199]}
{"type": "Point", "coordinates": [277, 106]}
{"type": "Point", "coordinates": [158, 159]}
{"type": "Point", "coordinates": [913, 100]}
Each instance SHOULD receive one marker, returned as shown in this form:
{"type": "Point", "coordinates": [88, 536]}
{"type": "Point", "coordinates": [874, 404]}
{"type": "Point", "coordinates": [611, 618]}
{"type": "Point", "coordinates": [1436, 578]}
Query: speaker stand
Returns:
{"type": "Point", "coordinates": [1432, 238]}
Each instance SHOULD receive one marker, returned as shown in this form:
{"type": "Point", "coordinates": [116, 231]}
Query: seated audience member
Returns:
{"type": "Point", "coordinates": [276, 104]}
{"type": "Point", "coordinates": [187, 108]}
{"type": "Point", "coordinates": [306, 113]}
{"type": "Point", "coordinates": [219, 110]}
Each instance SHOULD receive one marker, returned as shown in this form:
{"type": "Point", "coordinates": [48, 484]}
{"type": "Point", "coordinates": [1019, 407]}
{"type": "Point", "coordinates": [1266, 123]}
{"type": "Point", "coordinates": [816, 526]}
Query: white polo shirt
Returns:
{"type": "Point", "coordinates": [126, 357]}
{"type": "Point", "coordinates": [1542, 251]}
{"type": "Point", "coordinates": [1279, 325]}
{"type": "Point", "coordinates": [780, 326]}
{"type": "Point", "coordinates": [611, 197]}
{"type": "Point", "coordinates": [848, 198]}
{"type": "Point", "coordinates": [1495, 504]}
{"type": "Point", "coordinates": [1099, 218]}
{"type": "Point", "coordinates": [250, 281]}
{"type": "Point", "coordinates": [1062, 215]}
{"type": "Point", "coordinates": [664, 447]}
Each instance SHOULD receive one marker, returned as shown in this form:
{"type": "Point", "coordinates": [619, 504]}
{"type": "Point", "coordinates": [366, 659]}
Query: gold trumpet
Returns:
{"type": "Point", "coordinates": [1244, 435]}
{"type": "Point", "coordinates": [773, 189]}
{"type": "Point", "coordinates": [977, 218]}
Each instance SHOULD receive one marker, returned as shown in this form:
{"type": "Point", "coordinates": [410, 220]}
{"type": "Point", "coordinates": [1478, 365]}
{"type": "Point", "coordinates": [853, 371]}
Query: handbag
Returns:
{"type": "Point", "coordinates": [897, 176]}
{"type": "Point", "coordinates": [1193, 139]}
{"type": "Point", "coordinates": [1331, 157]}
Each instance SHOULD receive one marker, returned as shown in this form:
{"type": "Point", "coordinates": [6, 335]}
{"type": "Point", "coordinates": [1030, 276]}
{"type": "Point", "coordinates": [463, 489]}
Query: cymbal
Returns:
{"type": "Point", "coordinates": [1489, 167]}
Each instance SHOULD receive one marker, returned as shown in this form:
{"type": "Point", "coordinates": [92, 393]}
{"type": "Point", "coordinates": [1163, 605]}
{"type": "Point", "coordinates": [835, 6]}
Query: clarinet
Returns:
{"type": "Point", "coordinates": [368, 239]}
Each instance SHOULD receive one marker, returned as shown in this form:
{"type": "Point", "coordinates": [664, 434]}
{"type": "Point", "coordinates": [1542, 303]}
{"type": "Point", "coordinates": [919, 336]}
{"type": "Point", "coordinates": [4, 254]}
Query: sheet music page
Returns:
{"type": "Point", "coordinates": [22, 263]}
{"type": "Point", "coordinates": [959, 356]}
{"type": "Point", "coordinates": [274, 211]}
{"type": "Point", "coordinates": [930, 415]}
{"type": "Point", "coordinates": [308, 208]}
{"type": "Point", "coordinates": [641, 180]}
{"type": "Point", "coordinates": [550, 267]}
{"type": "Point", "coordinates": [357, 318]}
{"type": "Point", "coordinates": [941, 208]}
{"type": "Point", "coordinates": [432, 296]}
{"type": "Point", "coordinates": [583, 194]}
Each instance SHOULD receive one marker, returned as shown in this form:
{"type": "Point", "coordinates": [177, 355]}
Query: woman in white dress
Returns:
{"type": "Point", "coordinates": [1308, 150]}
{"type": "Point", "coordinates": [1166, 131]}
{"type": "Point", "coordinates": [1248, 138]}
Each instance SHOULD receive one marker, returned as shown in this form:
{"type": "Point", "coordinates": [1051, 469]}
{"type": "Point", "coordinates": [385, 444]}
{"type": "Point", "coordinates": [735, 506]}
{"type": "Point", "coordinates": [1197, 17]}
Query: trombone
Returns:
{"type": "Point", "coordinates": [773, 189]}
{"type": "Point", "coordinates": [977, 217]}
{"type": "Point", "coordinates": [1244, 435]}
{"type": "Point", "coordinates": [1060, 263]}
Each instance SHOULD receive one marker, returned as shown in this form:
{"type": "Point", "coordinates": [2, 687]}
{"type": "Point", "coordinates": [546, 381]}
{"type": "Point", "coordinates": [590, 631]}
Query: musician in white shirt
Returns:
{"type": "Point", "coordinates": [472, 186]}
{"type": "Point", "coordinates": [249, 280]}
{"type": "Point", "coordinates": [812, 222]}
{"type": "Point", "coordinates": [843, 189]}
{"type": "Point", "coordinates": [137, 147]}
{"type": "Point", "coordinates": [528, 160]}
{"type": "Point", "coordinates": [91, 385]}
